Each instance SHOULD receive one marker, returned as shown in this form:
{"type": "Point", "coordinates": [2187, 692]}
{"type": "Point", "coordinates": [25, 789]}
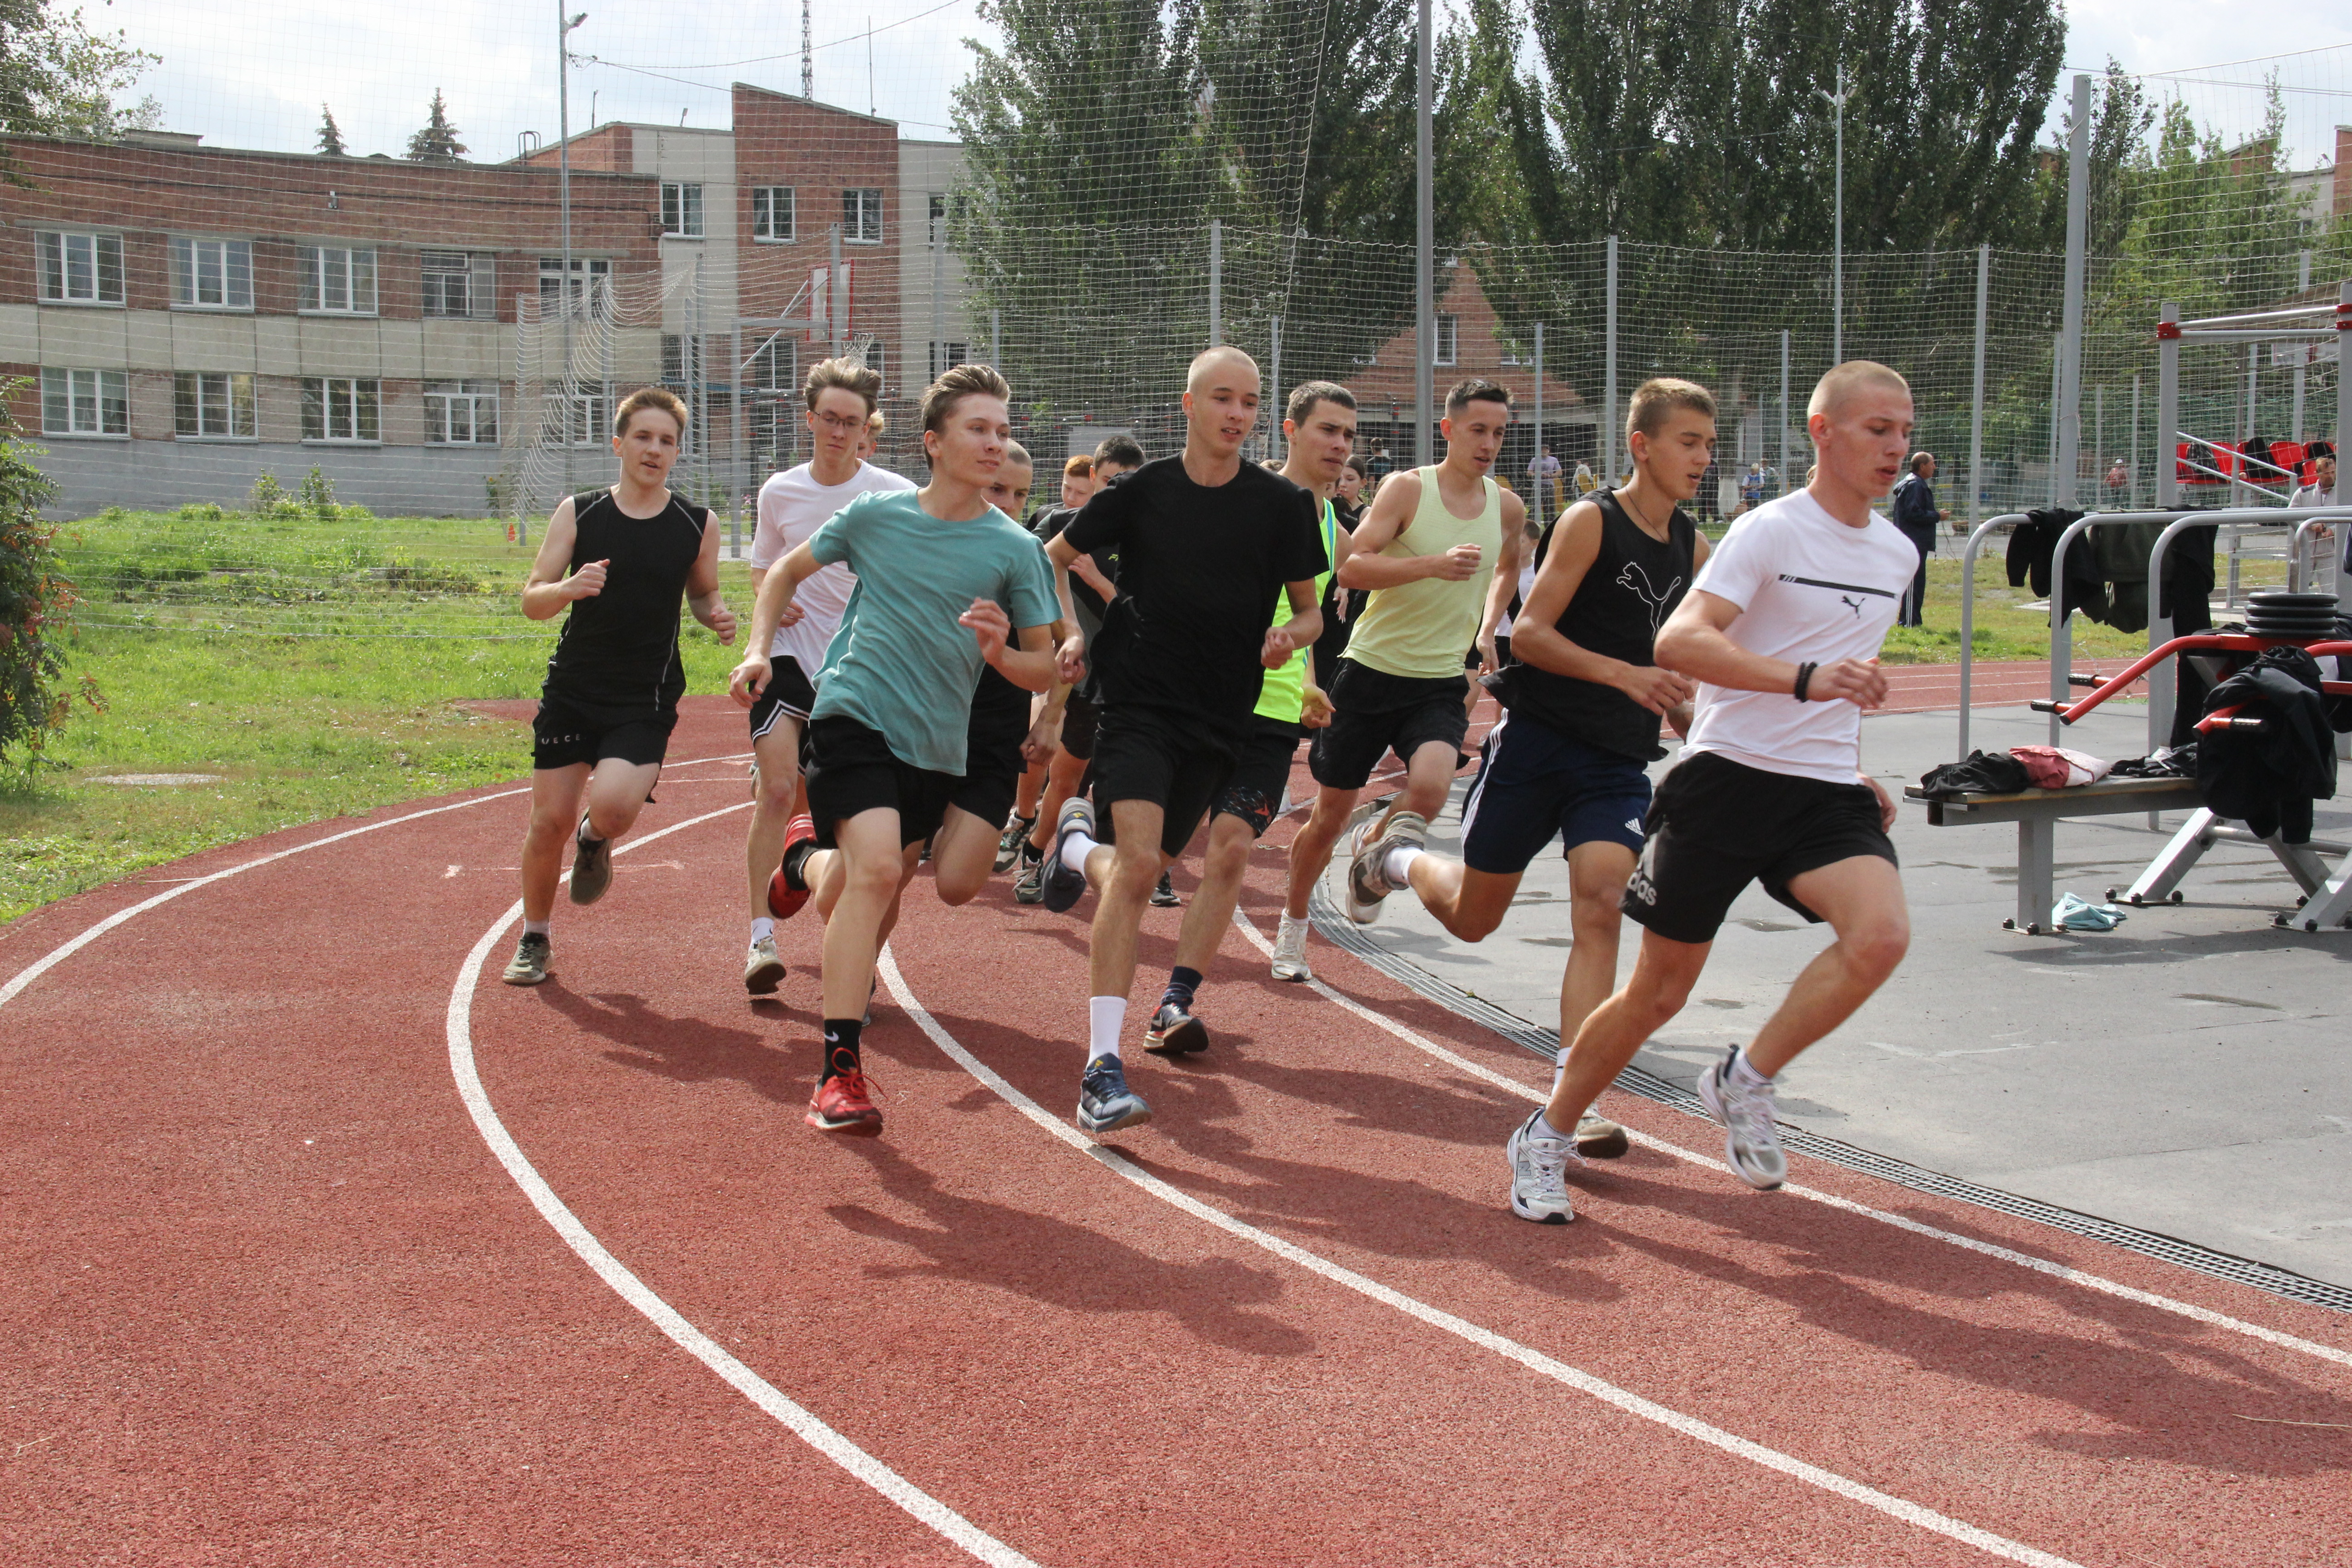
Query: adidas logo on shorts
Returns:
{"type": "Point", "coordinates": [1639, 887]}
{"type": "Point", "coordinates": [1633, 825]}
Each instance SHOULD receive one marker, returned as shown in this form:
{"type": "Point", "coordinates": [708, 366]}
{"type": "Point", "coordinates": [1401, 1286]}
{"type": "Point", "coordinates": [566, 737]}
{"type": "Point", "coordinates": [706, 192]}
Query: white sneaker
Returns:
{"type": "Point", "coordinates": [1538, 1163]}
{"type": "Point", "coordinates": [1751, 1142]}
{"type": "Point", "coordinates": [1290, 949]}
{"type": "Point", "coordinates": [763, 970]}
{"type": "Point", "coordinates": [1368, 877]}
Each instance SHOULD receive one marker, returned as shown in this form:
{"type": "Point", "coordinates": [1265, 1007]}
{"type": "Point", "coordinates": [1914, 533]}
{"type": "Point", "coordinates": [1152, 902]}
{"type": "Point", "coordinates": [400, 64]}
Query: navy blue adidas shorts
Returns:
{"type": "Point", "coordinates": [1537, 783]}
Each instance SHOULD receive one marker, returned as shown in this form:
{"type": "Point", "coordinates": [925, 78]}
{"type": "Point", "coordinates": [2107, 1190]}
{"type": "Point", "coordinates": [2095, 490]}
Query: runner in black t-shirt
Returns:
{"type": "Point", "coordinates": [1207, 544]}
{"type": "Point", "coordinates": [619, 561]}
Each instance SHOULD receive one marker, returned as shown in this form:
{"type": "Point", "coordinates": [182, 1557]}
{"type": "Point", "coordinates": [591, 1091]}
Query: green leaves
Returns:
{"type": "Point", "coordinates": [37, 602]}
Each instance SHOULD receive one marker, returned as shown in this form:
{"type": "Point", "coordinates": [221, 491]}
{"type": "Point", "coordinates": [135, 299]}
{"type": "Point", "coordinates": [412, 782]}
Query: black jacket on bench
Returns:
{"type": "Point", "coordinates": [2268, 778]}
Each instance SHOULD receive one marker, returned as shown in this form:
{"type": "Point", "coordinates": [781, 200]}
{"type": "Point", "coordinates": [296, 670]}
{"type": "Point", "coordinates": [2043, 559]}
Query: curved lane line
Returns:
{"type": "Point", "coordinates": [1690, 1427]}
{"type": "Point", "coordinates": [917, 1502]}
{"type": "Point", "coordinates": [1990, 1249]}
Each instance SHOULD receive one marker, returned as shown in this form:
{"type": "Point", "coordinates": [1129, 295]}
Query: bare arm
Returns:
{"type": "Point", "coordinates": [773, 608]}
{"type": "Point", "coordinates": [1391, 511]}
{"type": "Point", "coordinates": [702, 588]}
{"type": "Point", "coordinates": [1505, 581]}
{"type": "Point", "coordinates": [1536, 636]}
{"type": "Point", "coordinates": [1030, 666]}
{"type": "Point", "coordinates": [1693, 642]}
{"type": "Point", "coordinates": [1305, 624]}
{"type": "Point", "coordinates": [552, 585]}
{"type": "Point", "coordinates": [1072, 654]}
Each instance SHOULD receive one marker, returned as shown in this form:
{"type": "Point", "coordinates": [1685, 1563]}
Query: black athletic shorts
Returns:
{"type": "Point", "coordinates": [1081, 722]}
{"type": "Point", "coordinates": [851, 768]}
{"type": "Point", "coordinates": [1261, 773]}
{"type": "Point", "coordinates": [561, 737]}
{"type": "Point", "coordinates": [788, 696]}
{"type": "Point", "coordinates": [1535, 783]}
{"type": "Point", "coordinates": [1173, 758]}
{"type": "Point", "coordinates": [1717, 825]}
{"type": "Point", "coordinates": [1374, 712]}
{"type": "Point", "coordinates": [991, 778]}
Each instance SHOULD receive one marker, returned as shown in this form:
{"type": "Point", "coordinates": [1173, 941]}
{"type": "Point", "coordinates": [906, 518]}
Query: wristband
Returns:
{"type": "Point", "coordinates": [1804, 680]}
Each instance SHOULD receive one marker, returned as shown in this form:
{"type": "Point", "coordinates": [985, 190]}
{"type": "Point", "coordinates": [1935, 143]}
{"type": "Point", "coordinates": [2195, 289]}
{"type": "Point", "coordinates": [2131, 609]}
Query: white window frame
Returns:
{"type": "Point", "coordinates": [767, 203]}
{"type": "Point", "coordinates": [681, 206]}
{"type": "Point", "coordinates": [479, 270]}
{"type": "Point", "coordinates": [62, 252]}
{"type": "Point", "coordinates": [1447, 348]}
{"type": "Point", "coordinates": [203, 391]}
{"type": "Point", "coordinates": [592, 418]}
{"type": "Point", "coordinates": [947, 354]}
{"type": "Point", "coordinates": [338, 280]}
{"type": "Point", "coordinates": [461, 412]}
{"type": "Point", "coordinates": [349, 408]}
{"type": "Point", "coordinates": [861, 215]}
{"type": "Point", "coordinates": [592, 279]}
{"type": "Point", "coordinates": [86, 405]}
{"type": "Point", "coordinates": [226, 264]}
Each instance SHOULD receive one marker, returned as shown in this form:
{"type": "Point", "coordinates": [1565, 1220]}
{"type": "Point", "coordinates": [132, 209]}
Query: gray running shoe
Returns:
{"type": "Point", "coordinates": [1367, 878]}
{"type": "Point", "coordinates": [1062, 886]}
{"type": "Point", "coordinates": [1290, 950]}
{"type": "Point", "coordinates": [763, 970]}
{"type": "Point", "coordinates": [1751, 1134]}
{"type": "Point", "coordinates": [1598, 1138]}
{"type": "Point", "coordinates": [1539, 1162]}
{"type": "Point", "coordinates": [1104, 1103]}
{"type": "Point", "coordinates": [1029, 881]}
{"type": "Point", "coordinates": [592, 866]}
{"type": "Point", "coordinates": [1174, 1032]}
{"type": "Point", "coordinates": [528, 964]}
{"type": "Point", "coordinates": [1008, 846]}
{"type": "Point", "coordinates": [1163, 894]}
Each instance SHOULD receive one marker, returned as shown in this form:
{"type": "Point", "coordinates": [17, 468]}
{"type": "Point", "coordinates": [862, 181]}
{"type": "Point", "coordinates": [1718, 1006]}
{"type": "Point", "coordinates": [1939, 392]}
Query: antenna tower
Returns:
{"type": "Point", "coordinates": [808, 68]}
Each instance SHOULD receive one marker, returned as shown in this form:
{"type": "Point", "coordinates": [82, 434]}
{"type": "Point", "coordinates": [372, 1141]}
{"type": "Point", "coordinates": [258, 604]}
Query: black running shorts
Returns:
{"type": "Point", "coordinates": [1374, 712]}
{"type": "Point", "coordinates": [1081, 720]}
{"type": "Point", "coordinates": [991, 780]}
{"type": "Point", "coordinates": [851, 769]}
{"type": "Point", "coordinates": [1716, 826]}
{"type": "Point", "coordinates": [1175, 760]}
{"type": "Point", "coordinates": [789, 695]}
{"type": "Point", "coordinates": [563, 736]}
{"type": "Point", "coordinates": [1262, 773]}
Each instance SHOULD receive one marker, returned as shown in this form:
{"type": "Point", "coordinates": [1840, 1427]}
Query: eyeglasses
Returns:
{"type": "Point", "coordinates": [839, 425]}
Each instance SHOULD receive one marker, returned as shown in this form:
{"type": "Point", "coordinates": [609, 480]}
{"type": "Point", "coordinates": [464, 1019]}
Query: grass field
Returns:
{"type": "Point", "coordinates": [315, 664]}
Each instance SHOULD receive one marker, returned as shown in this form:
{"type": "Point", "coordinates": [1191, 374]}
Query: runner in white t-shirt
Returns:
{"type": "Point", "coordinates": [1782, 630]}
{"type": "Point", "coordinates": [840, 394]}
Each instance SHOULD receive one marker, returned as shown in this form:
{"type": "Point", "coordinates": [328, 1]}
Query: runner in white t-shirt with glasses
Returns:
{"type": "Point", "coordinates": [1782, 630]}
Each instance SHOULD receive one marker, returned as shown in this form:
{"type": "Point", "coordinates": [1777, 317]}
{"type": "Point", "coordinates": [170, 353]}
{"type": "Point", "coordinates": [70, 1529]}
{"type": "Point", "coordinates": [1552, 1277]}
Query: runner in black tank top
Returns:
{"type": "Point", "coordinates": [1582, 699]}
{"type": "Point", "coordinates": [619, 562]}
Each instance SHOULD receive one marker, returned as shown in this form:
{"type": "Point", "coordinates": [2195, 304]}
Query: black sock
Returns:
{"type": "Point", "coordinates": [1181, 984]}
{"type": "Point", "coordinates": [840, 1048]}
{"type": "Point", "coordinates": [795, 859]}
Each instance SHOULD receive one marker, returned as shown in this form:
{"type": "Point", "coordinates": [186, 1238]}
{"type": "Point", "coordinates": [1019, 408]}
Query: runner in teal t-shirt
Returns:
{"type": "Point", "coordinates": [938, 569]}
{"type": "Point", "coordinates": [1320, 423]}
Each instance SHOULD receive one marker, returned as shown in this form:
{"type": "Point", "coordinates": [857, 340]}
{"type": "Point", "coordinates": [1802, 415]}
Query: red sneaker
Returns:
{"type": "Point", "coordinates": [784, 900]}
{"type": "Point", "coordinates": [841, 1105]}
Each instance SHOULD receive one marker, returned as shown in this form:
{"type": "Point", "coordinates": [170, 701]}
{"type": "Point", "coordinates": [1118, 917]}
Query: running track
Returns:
{"type": "Point", "coordinates": [322, 1246]}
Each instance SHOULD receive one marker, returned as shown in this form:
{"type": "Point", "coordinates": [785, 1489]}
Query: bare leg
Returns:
{"type": "Point", "coordinates": [1212, 909]}
{"type": "Point", "coordinates": [1613, 1032]}
{"type": "Point", "coordinates": [1061, 783]}
{"type": "Point", "coordinates": [1310, 852]}
{"type": "Point", "coordinates": [1428, 776]}
{"type": "Point", "coordinates": [1122, 874]}
{"type": "Point", "coordinates": [963, 856]}
{"type": "Point", "coordinates": [779, 789]}
{"type": "Point", "coordinates": [554, 816]}
{"type": "Point", "coordinates": [616, 793]}
{"type": "Point", "coordinates": [1032, 787]}
{"type": "Point", "coordinates": [865, 879]}
{"type": "Point", "coordinates": [1862, 899]}
{"type": "Point", "coordinates": [1596, 873]}
{"type": "Point", "coordinates": [1467, 902]}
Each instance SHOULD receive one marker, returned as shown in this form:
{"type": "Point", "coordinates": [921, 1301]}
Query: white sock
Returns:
{"type": "Point", "coordinates": [1398, 866]}
{"type": "Point", "coordinates": [1745, 1071]}
{"type": "Point", "coordinates": [763, 928]}
{"type": "Point", "coordinates": [1106, 1016]}
{"type": "Point", "coordinates": [1544, 1126]}
{"type": "Point", "coordinates": [534, 928]}
{"type": "Point", "coordinates": [1074, 850]}
{"type": "Point", "coordinates": [1559, 1073]}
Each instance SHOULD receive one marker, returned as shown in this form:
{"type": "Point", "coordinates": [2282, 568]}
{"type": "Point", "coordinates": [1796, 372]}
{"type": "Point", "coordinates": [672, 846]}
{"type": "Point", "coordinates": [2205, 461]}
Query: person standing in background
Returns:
{"type": "Point", "coordinates": [1917, 514]}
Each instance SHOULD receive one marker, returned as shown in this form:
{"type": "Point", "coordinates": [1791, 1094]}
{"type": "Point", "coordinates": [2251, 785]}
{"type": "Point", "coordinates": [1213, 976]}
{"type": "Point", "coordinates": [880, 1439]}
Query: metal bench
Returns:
{"type": "Point", "coordinates": [2037, 812]}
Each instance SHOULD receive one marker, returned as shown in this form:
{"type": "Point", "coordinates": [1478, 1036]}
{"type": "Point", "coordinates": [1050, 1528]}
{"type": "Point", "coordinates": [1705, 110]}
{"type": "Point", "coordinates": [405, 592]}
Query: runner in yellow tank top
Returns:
{"type": "Point", "coordinates": [1400, 686]}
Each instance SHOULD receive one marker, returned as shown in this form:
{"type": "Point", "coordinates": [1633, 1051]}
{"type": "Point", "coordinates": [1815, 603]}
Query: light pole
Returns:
{"type": "Point", "coordinates": [1424, 309]}
{"type": "Point", "coordinates": [1837, 100]}
{"type": "Point", "coordinates": [563, 26]}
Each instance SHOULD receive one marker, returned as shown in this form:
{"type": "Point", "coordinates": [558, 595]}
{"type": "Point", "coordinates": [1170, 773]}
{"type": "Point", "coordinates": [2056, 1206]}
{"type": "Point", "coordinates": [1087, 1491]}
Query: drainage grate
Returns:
{"type": "Point", "coordinates": [1340, 932]}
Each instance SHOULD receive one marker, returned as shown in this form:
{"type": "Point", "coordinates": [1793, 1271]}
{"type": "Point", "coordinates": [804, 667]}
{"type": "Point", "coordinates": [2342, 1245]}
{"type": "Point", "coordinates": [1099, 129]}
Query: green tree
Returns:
{"type": "Point", "coordinates": [438, 141]}
{"type": "Point", "coordinates": [36, 603]}
{"type": "Point", "coordinates": [58, 79]}
{"type": "Point", "coordinates": [331, 136]}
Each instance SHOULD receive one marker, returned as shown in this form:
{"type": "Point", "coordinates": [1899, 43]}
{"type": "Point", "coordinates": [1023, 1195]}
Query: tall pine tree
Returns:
{"type": "Point", "coordinates": [330, 139]}
{"type": "Point", "coordinates": [437, 142]}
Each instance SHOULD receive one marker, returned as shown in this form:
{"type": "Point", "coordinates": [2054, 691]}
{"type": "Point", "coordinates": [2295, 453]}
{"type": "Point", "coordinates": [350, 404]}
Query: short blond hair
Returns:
{"type": "Point", "coordinates": [1843, 381]}
{"type": "Point", "coordinates": [645, 397]}
{"type": "Point", "coordinates": [1660, 395]}
{"type": "Point", "coordinates": [962, 381]}
{"type": "Point", "coordinates": [1198, 369]}
{"type": "Point", "coordinates": [875, 424]}
{"type": "Point", "coordinates": [851, 375]}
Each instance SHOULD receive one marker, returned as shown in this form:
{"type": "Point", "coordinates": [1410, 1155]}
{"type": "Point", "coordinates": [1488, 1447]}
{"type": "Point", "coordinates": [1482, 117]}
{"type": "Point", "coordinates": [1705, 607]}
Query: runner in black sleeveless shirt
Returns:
{"type": "Point", "coordinates": [619, 561]}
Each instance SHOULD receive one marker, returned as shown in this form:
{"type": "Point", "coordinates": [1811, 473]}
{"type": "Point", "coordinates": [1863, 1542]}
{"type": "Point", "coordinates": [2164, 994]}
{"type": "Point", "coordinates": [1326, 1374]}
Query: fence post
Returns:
{"type": "Point", "coordinates": [2133, 499]}
{"type": "Point", "coordinates": [1976, 405]}
{"type": "Point", "coordinates": [997, 340]}
{"type": "Point", "coordinates": [1541, 516]}
{"type": "Point", "coordinates": [1785, 483]}
{"type": "Point", "coordinates": [736, 473]}
{"type": "Point", "coordinates": [1216, 281]}
{"type": "Point", "coordinates": [1424, 243]}
{"type": "Point", "coordinates": [2069, 454]}
{"type": "Point", "coordinates": [1275, 326]}
{"type": "Point", "coordinates": [2302, 285]}
{"type": "Point", "coordinates": [1609, 376]}
{"type": "Point", "coordinates": [835, 292]}
{"type": "Point", "coordinates": [2057, 392]}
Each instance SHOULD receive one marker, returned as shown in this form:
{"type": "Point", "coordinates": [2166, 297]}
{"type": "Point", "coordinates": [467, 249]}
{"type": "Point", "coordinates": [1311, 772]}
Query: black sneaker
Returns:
{"type": "Point", "coordinates": [592, 866]}
{"type": "Point", "coordinates": [1104, 1103]}
{"type": "Point", "coordinates": [1009, 846]}
{"type": "Point", "coordinates": [1063, 886]}
{"type": "Point", "coordinates": [1164, 897]}
{"type": "Point", "coordinates": [528, 964]}
{"type": "Point", "coordinates": [1174, 1032]}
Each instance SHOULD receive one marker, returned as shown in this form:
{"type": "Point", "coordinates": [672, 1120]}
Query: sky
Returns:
{"type": "Point", "coordinates": [253, 73]}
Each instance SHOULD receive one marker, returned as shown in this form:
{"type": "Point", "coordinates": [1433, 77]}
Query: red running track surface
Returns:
{"type": "Point", "coordinates": [275, 1297]}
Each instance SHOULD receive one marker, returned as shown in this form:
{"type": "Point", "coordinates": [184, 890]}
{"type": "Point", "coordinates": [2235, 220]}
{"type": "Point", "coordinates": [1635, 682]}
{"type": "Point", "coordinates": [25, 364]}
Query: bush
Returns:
{"type": "Point", "coordinates": [36, 603]}
{"type": "Point", "coordinates": [266, 492]}
{"type": "Point", "coordinates": [318, 493]}
{"type": "Point", "coordinates": [202, 511]}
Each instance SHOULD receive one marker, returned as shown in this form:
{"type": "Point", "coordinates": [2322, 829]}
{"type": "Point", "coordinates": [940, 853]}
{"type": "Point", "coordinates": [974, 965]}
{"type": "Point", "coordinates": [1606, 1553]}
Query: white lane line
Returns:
{"type": "Point", "coordinates": [59, 954]}
{"type": "Point", "coordinates": [2023, 1260]}
{"type": "Point", "coordinates": [919, 1504]}
{"type": "Point", "coordinates": [1690, 1427]}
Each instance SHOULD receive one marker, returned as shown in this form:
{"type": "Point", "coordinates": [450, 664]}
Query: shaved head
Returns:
{"type": "Point", "coordinates": [1226, 362]}
{"type": "Point", "coordinates": [1855, 375]}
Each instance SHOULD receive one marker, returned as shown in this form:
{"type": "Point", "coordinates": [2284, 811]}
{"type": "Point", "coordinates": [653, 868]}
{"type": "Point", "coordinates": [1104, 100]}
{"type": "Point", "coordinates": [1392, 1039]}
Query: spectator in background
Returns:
{"type": "Point", "coordinates": [1544, 469]}
{"type": "Point", "coordinates": [1077, 481]}
{"type": "Point", "coordinates": [1379, 467]}
{"type": "Point", "coordinates": [1752, 487]}
{"type": "Point", "coordinates": [2321, 491]}
{"type": "Point", "coordinates": [1585, 483]}
{"type": "Point", "coordinates": [1917, 514]}
{"type": "Point", "coordinates": [2118, 485]}
{"type": "Point", "coordinates": [1771, 480]}
{"type": "Point", "coordinates": [1349, 498]}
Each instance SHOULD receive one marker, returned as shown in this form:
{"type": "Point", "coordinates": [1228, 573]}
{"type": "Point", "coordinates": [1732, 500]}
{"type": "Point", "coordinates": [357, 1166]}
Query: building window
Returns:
{"type": "Point", "coordinates": [1448, 340]}
{"type": "Point", "coordinates": [339, 408]}
{"type": "Point", "coordinates": [212, 405]}
{"type": "Point", "coordinates": [458, 284]}
{"type": "Point", "coordinates": [80, 269]}
{"type": "Point", "coordinates": [773, 212]}
{"type": "Point", "coordinates": [774, 366]}
{"type": "Point", "coordinates": [591, 418]}
{"type": "Point", "coordinates": [338, 280]}
{"type": "Point", "coordinates": [861, 216]}
{"type": "Point", "coordinates": [461, 412]}
{"type": "Point", "coordinates": [681, 363]}
{"type": "Point", "coordinates": [85, 403]}
{"type": "Point", "coordinates": [592, 280]}
{"type": "Point", "coordinates": [946, 356]}
{"type": "Point", "coordinates": [211, 274]}
{"type": "Point", "coordinates": [681, 211]}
